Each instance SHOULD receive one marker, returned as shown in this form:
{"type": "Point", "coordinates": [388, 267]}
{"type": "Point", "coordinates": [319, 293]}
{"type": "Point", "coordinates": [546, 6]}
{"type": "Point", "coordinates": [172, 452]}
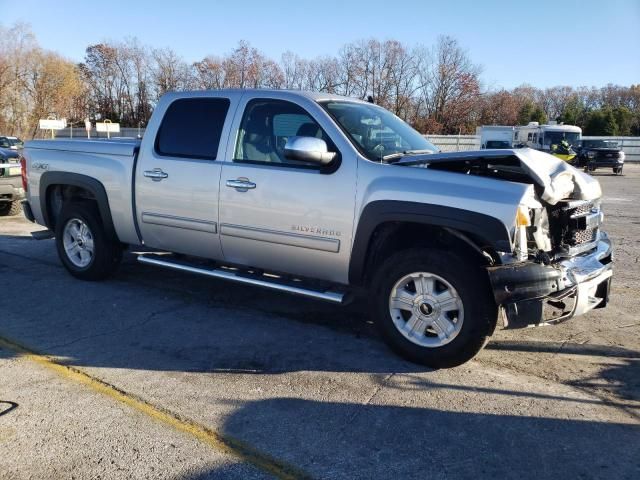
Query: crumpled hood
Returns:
{"type": "Point", "coordinates": [557, 177]}
{"type": "Point", "coordinates": [554, 177]}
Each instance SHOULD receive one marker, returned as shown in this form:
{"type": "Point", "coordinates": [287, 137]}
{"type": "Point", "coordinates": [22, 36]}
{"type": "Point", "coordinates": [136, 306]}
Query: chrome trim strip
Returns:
{"type": "Point", "coordinates": [333, 297]}
{"type": "Point", "coordinates": [311, 242]}
{"type": "Point", "coordinates": [179, 222]}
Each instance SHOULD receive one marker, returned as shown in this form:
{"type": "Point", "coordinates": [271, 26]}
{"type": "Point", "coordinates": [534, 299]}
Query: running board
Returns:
{"type": "Point", "coordinates": [255, 279]}
{"type": "Point", "coordinates": [43, 234]}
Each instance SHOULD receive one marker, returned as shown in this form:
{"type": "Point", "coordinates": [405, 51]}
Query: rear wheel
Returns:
{"type": "Point", "coordinates": [617, 170]}
{"type": "Point", "coordinates": [84, 247]}
{"type": "Point", "coordinates": [433, 307]}
{"type": "Point", "coordinates": [10, 208]}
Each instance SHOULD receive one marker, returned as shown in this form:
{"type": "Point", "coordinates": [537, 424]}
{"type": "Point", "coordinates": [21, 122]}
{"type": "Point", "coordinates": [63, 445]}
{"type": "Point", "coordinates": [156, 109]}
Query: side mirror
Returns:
{"type": "Point", "coordinates": [308, 149]}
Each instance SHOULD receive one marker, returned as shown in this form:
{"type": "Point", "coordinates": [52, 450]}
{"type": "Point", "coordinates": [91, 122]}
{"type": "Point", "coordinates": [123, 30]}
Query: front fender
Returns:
{"type": "Point", "coordinates": [489, 230]}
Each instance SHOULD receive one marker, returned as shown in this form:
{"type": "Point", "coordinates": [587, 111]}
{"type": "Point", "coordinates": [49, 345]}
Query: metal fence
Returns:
{"type": "Point", "coordinates": [81, 133]}
{"type": "Point", "coordinates": [455, 143]}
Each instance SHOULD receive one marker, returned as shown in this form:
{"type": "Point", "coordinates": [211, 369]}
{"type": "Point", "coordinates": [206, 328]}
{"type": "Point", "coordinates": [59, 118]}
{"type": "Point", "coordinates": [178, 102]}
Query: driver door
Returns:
{"type": "Point", "coordinates": [279, 214]}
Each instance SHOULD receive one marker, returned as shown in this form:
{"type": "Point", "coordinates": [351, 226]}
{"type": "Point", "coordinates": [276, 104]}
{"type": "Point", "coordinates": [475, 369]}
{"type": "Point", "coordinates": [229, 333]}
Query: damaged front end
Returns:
{"type": "Point", "coordinates": [560, 265]}
{"type": "Point", "coordinates": [535, 293]}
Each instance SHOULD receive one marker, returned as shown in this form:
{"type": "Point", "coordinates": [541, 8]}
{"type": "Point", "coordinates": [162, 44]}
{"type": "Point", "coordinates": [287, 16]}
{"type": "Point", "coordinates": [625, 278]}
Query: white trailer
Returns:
{"type": "Point", "coordinates": [495, 136]}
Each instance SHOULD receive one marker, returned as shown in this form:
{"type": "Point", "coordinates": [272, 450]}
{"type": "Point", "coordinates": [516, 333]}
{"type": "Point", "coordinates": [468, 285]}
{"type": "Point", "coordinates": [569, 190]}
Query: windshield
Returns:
{"type": "Point", "coordinates": [599, 144]}
{"type": "Point", "coordinates": [376, 132]}
{"type": "Point", "coordinates": [554, 138]}
{"type": "Point", "coordinates": [499, 144]}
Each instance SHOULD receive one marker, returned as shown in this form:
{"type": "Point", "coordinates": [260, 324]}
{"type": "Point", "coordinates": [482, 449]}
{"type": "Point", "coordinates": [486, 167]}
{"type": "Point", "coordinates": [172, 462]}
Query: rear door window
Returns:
{"type": "Point", "coordinates": [191, 128]}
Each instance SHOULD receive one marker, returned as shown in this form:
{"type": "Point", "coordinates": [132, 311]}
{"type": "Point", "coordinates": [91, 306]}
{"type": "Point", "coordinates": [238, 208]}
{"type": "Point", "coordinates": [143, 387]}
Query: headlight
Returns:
{"type": "Point", "coordinates": [523, 220]}
{"type": "Point", "coordinates": [591, 154]}
{"type": "Point", "coordinates": [523, 216]}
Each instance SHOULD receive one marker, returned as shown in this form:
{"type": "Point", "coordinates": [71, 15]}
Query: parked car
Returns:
{"type": "Point", "coordinates": [13, 143]}
{"type": "Point", "coordinates": [330, 198]}
{"type": "Point", "coordinates": [594, 154]}
{"type": "Point", "coordinates": [11, 190]}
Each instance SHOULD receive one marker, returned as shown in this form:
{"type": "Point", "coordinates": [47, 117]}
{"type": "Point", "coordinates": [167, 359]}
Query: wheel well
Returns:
{"type": "Point", "coordinates": [58, 195]}
{"type": "Point", "coordinates": [391, 237]}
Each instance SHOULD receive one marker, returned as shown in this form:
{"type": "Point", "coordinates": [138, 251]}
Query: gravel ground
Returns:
{"type": "Point", "coordinates": [286, 387]}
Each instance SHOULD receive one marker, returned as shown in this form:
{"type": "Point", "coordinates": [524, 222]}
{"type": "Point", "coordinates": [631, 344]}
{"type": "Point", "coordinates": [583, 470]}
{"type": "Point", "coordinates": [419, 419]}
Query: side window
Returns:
{"type": "Point", "coordinates": [265, 128]}
{"type": "Point", "coordinates": [192, 127]}
{"type": "Point", "coordinates": [529, 136]}
{"type": "Point", "coordinates": [535, 138]}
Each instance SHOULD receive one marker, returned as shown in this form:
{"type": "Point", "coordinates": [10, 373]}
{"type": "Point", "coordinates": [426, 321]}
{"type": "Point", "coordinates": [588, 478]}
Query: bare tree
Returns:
{"type": "Point", "coordinates": [170, 72]}
{"type": "Point", "coordinates": [450, 86]}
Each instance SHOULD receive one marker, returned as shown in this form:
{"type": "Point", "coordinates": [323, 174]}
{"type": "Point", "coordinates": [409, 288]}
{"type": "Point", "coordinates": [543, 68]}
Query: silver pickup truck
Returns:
{"type": "Point", "coordinates": [330, 198]}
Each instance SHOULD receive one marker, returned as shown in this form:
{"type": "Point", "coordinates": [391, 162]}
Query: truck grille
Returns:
{"type": "Point", "coordinates": [578, 237]}
{"type": "Point", "coordinates": [575, 226]}
{"type": "Point", "coordinates": [607, 156]}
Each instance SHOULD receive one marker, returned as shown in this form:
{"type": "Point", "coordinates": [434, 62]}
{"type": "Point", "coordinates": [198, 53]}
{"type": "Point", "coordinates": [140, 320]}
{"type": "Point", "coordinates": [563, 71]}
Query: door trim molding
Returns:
{"type": "Point", "coordinates": [311, 242]}
{"type": "Point", "coordinates": [179, 222]}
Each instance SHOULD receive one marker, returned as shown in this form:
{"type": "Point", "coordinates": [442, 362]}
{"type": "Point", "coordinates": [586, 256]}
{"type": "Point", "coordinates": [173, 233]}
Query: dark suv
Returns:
{"type": "Point", "coordinates": [594, 154]}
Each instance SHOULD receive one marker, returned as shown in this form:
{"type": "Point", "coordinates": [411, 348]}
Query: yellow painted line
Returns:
{"type": "Point", "coordinates": [217, 441]}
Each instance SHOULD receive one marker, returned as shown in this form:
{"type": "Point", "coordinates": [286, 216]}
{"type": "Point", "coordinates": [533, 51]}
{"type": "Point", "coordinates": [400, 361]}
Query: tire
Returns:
{"type": "Point", "coordinates": [79, 224]}
{"type": "Point", "coordinates": [10, 208]}
{"type": "Point", "coordinates": [617, 170]}
{"type": "Point", "coordinates": [466, 330]}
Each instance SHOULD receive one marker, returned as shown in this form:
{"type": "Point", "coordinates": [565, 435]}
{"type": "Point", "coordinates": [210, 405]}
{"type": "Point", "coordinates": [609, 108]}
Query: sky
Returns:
{"type": "Point", "coordinates": [542, 43]}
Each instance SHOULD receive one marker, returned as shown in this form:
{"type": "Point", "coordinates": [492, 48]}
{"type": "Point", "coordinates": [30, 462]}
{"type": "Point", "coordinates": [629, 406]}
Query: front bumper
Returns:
{"type": "Point", "coordinates": [11, 189]}
{"type": "Point", "coordinates": [534, 294]}
{"type": "Point", "coordinates": [605, 164]}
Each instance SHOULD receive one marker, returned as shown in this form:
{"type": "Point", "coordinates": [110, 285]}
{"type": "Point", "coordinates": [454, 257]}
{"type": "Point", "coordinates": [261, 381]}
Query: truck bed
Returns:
{"type": "Point", "coordinates": [124, 147]}
{"type": "Point", "coordinates": [110, 162]}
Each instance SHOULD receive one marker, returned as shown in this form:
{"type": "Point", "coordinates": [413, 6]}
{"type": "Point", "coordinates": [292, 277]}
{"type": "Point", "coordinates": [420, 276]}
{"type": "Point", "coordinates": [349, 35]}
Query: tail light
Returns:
{"type": "Point", "coordinates": [23, 172]}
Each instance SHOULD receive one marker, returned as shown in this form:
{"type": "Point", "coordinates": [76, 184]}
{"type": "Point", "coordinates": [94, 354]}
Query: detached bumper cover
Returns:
{"type": "Point", "coordinates": [574, 286]}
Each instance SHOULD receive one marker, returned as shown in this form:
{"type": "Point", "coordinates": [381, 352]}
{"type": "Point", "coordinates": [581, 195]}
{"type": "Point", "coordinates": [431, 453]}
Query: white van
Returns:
{"type": "Point", "coordinates": [495, 136]}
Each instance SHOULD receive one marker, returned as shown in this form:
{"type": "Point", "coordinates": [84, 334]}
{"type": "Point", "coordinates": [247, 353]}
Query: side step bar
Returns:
{"type": "Point", "coordinates": [257, 280]}
{"type": "Point", "coordinates": [43, 234]}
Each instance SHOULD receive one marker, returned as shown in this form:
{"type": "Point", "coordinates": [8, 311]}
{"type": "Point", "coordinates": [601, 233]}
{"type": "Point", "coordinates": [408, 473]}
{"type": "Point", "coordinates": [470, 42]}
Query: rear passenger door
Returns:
{"type": "Point", "coordinates": [178, 174]}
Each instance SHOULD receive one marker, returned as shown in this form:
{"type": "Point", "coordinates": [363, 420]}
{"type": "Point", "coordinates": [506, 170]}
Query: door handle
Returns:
{"type": "Point", "coordinates": [241, 184]}
{"type": "Point", "coordinates": [156, 174]}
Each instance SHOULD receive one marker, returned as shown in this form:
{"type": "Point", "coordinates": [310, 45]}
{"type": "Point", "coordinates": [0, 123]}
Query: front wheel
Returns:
{"type": "Point", "coordinates": [84, 248]}
{"type": "Point", "coordinates": [617, 170]}
{"type": "Point", "coordinates": [433, 307]}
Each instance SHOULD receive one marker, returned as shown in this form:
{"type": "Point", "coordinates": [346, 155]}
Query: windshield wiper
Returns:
{"type": "Point", "coordinates": [398, 155]}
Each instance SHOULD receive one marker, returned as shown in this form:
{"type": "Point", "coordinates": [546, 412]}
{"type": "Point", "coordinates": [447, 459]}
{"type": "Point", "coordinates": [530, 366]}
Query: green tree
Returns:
{"type": "Point", "coordinates": [573, 112]}
{"type": "Point", "coordinates": [601, 122]}
{"type": "Point", "coordinates": [539, 116]}
{"type": "Point", "coordinates": [525, 113]}
{"type": "Point", "coordinates": [624, 120]}
{"type": "Point", "coordinates": [529, 112]}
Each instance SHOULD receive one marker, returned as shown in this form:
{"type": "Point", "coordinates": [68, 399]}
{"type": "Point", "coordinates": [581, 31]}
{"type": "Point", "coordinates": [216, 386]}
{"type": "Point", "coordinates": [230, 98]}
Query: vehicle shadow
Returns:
{"type": "Point", "coordinates": [152, 319]}
{"type": "Point", "coordinates": [164, 321]}
{"type": "Point", "coordinates": [352, 441]}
